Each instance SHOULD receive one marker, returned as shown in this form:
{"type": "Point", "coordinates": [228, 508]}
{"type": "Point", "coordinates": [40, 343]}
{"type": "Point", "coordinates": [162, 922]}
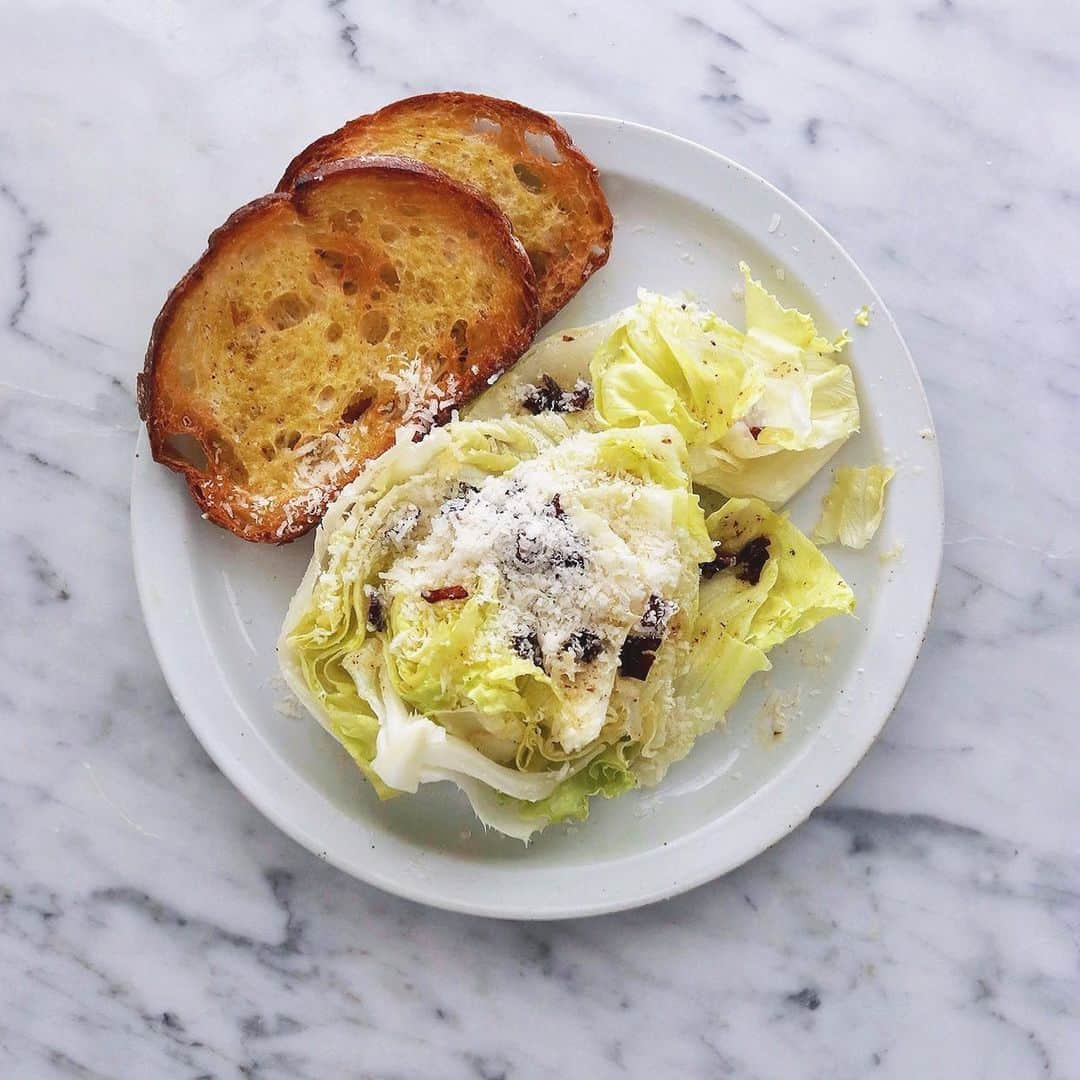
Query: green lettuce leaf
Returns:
{"type": "Point", "coordinates": [670, 363]}
{"type": "Point", "coordinates": [438, 692]}
{"type": "Point", "coordinates": [450, 655]}
{"type": "Point", "coordinates": [326, 622]}
{"type": "Point", "coordinates": [739, 620]}
{"type": "Point", "coordinates": [761, 410]}
{"type": "Point", "coordinates": [798, 586]}
{"type": "Point", "coordinates": [608, 774]}
{"type": "Point", "coordinates": [853, 507]}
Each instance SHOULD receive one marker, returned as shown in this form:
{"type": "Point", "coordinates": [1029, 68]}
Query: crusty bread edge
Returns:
{"type": "Point", "coordinates": [299, 166]}
{"type": "Point", "coordinates": [201, 485]}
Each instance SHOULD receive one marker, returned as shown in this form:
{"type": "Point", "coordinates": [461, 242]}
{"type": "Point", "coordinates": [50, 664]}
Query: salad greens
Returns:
{"type": "Point", "coordinates": [853, 507]}
{"type": "Point", "coordinates": [761, 410]}
{"type": "Point", "coordinates": [542, 613]}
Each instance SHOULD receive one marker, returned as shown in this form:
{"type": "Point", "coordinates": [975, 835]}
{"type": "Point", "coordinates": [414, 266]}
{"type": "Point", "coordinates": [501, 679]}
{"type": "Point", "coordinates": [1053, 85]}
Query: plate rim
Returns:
{"type": "Point", "coordinates": [642, 893]}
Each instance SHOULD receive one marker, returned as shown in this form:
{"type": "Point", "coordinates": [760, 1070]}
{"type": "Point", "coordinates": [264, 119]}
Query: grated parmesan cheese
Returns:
{"type": "Point", "coordinates": [418, 394]}
{"type": "Point", "coordinates": [893, 553]}
{"type": "Point", "coordinates": [779, 709]}
{"type": "Point", "coordinates": [286, 703]}
{"type": "Point", "coordinates": [546, 540]}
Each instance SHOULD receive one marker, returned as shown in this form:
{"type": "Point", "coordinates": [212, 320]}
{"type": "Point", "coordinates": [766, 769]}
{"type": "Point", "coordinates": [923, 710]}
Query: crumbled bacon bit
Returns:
{"type": "Point", "coordinates": [376, 612]}
{"type": "Point", "coordinates": [754, 431]}
{"type": "Point", "coordinates": [549, 396]}
{"type": "Point", "coordinates": [720, 562]}
{"type": "Point", "coordinates": [638, 655]}
{"type": "Point", "coordinates": [751, 560]}
{"type": "Point", "coordinates": [657, 614]}
{"type": "Point", "coordinates": [446, 592]}
{"type": "Point", "coordinates": [748, 561]}
{"type": "Point", "coordinates": [578, 399]}
{"type": "Point", "coordinates": [527, 646]}
{"type": "Point", "coordinates": [584, 645]}
{"type": "Point", "coordinates": [542, 397]}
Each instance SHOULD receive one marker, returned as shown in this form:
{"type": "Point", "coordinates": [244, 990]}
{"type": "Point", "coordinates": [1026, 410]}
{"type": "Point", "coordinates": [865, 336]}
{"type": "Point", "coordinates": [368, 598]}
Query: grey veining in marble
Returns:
{"type": "Point", "coordinates": [925, 922]}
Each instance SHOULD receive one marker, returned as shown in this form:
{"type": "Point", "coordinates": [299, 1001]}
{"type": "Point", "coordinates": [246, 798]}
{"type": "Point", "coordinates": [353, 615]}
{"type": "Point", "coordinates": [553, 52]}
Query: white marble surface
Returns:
{"type": "Point", "coordinates": [925, 923]}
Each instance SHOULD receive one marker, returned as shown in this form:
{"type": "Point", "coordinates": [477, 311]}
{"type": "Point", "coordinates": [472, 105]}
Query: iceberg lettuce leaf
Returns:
{"type": "Point", "coordinates": [439, 690]}
{"type": "Point", "coordinates": [852, 509]}
{"type": "Point", "coordinates": [741, 618]}
{"type": "Point", "coordinates": [761, 410]}
{"type": "Point", "coordinates": [670, 363]}
{"type": "Point", "coordinates": [608, 774]}
{"type": "Point", "coordinates": [803, 586]}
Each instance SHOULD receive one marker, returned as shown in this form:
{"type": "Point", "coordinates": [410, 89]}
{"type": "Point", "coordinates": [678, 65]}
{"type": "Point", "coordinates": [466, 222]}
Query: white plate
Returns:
{"type": "Point", "coordinates": [684, 218]}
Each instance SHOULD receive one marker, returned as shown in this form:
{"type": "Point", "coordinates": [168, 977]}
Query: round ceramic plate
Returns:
{"type": "Point", "coordinates": [684, 217]}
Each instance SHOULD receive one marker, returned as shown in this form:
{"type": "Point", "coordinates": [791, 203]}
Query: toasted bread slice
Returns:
{"type": "Point", "coordinates": [378, 295]}
{"type": "Point", "coordinates": [522, 159]}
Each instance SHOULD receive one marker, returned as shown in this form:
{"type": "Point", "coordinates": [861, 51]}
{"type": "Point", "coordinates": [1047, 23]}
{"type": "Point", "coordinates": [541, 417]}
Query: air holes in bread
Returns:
{"type": "Point", "coordinates": [374, 326]}
{"type": "Point", "coordinates": [333, 332]}
{"type": "Point", "coordinates": [459, 333]}
{"type": "Point", "coordinates": [287, 310]}
{"type": "Point", "coordinates": [188, 449]}
{"type": "Point", "coordinates": [389, 275]}
{"type": "Point", "coordinates": [528, 179]}
{"type": "Point", "coordinates": [325, 398]}
{"type": "Point", "coordinates": [543, 146]}
{"type": "Point", "coordinates": [539, 260]}
{"type": "Point", "coordinates": [389, 232]}
{"type": "Point", "coordinates": [359, 404]}
{"type": "Point", "coordinates": [334, 259]}
{"type": "Point", "coordinates": [483, 126]}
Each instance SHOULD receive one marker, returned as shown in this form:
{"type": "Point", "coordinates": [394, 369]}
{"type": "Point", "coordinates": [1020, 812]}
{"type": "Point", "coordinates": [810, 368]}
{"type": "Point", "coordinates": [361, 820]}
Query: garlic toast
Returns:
{"type": "Point", "coordinates": [377, 295]}
{"type": "Point", "coordinates": [523, 160]}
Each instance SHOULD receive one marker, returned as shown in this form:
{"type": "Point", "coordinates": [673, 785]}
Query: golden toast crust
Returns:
{"type": "Point", "coordinates": [523, 160]}
{"type": "Point", "coordinates": [377, 294]}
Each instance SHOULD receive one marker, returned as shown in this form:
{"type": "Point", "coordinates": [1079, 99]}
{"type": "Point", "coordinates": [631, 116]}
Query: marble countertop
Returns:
{"type": "Point", "coordinates": [925, 922]}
